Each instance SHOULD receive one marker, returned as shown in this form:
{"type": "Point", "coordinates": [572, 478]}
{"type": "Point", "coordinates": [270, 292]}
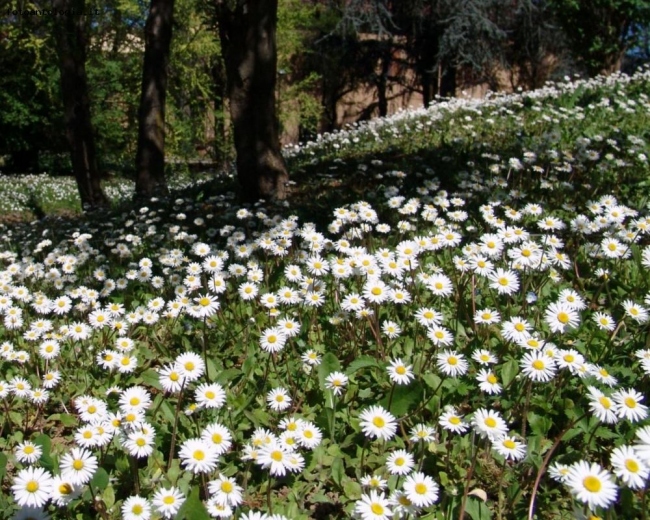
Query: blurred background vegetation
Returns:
{"type": "Point", "coordinates": [339, 61]}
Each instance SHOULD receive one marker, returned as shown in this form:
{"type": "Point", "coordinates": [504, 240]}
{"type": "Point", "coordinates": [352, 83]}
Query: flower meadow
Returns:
{"type": "Point", "coordinates": [465, 337]}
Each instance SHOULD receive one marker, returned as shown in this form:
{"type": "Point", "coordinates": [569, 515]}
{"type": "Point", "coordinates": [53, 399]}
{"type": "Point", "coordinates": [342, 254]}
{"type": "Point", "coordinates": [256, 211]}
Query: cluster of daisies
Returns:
{"type": "Point", "coordinates": [419, 279]}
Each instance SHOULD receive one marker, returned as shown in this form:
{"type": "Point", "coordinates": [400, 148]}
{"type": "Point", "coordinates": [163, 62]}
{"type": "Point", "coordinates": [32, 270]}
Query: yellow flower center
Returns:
{"type": "Point", "coordinates": [454, 420]}
{"type": "Point", "coordinates": [630, 403]}
{"type": "Point", "coordinates": [563, 318]}
{"type": "Point", "coordinates": [169, 500]}
{"type": "Point", "coordinates": [78, 464]}
{"type": "Point", "coordinates": [65, 488]}
{"type": "Point", "coordinates": [189, 366]}
{"type": "Point", "coordinates": [32, 486]}
{"type": "Point", "coordinates": [29, 450]}
{"type": "Point", "coordinates": [503, 281]}
{"type": "Point", "coordinates": [379, 422]}
{"type": "Point", "coordinates": [198, 455]}
{"type": "Point", "coordinates": [173, 376]}
{"type": "Point", "coordinates": [210, 394]}
{"type": "Point", "coordinates": [490, 422]}
{"type": "Point", "coordinates": [509, 444]}
{"type": "Point", "coordinates": [400, 370]}
{"type": "Point", "coordinates": [632, 466]}
{"type": "Point", "coordinates": [226, 487]}
{"type": "Point", "coordinates": [486, 316]}
{"type": "Point", "coordinates": [492, 379]}
{"type": "Point", "coordinates": [376, 291]}
{"type": "Point", "coordinates": [592, 484]}
{"type": "Point", "coordinates": [420, 488]}
{"type": "Point", "coordinates": [217, 438]}
{"type": "Point", "coordinates": [276, 455]}
{"type": "Point", "coordinates": [519, 327]}
{"type": "Point", "coordinates": [452, 360]}
{"type": "Point", "coordinates": [538, 364]}
{"type": "Point", "coordinates": [137, 509]}
{"type": "Point", "coordinates": [569, 358]}
{"type": "Point", "coordinates": [134, 401]}
{"type": "Point", "coordinates": [377, 509]}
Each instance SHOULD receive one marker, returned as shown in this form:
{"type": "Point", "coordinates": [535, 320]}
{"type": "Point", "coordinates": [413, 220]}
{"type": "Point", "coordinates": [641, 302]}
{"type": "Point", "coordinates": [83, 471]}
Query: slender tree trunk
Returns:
{"type": "Point", "coordinates": [71, 48]}
{"type": "Point", "coordinates": [448, 81]}
{"type": "Point", "coordinates": [247, 34]}
{"type": "Point", "coordinates": [222, 147]}
{"type": "Point", "coordinates": [382, 80]}
{"type": "Point", "coordinates": [150, 156]}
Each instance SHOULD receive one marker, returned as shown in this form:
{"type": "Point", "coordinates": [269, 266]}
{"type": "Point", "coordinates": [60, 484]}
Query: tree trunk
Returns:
{"type": "Point", "coordinates": [150, 156]}
{"type": "Point", "coordinates": [247, 34]}
{"type": "Point", "coordinates": [71, 48]}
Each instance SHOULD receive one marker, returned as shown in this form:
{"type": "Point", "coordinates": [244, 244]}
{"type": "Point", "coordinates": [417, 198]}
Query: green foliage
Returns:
{"type": "Point", "coordinates": [31, 115]}
{"type": "Point", "coordinates": [599, 30]}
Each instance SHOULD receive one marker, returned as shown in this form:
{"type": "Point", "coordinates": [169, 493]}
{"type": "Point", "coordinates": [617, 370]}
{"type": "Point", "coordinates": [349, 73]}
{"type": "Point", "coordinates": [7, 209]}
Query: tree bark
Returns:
{"type": "Point", "coordinates": [70, 36]}
{"type": "Point", "coordinates": [247, 33]}
{"type": "Point", "coordinates": [150, 156]}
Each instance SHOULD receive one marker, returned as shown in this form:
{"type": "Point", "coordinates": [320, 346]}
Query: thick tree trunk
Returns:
{"type": "Point", "coordinates": [150, 156]}
{"type": "Point", "coordinates": [247, 34]}
{"type": "Point", "coordinates": [71, 49]}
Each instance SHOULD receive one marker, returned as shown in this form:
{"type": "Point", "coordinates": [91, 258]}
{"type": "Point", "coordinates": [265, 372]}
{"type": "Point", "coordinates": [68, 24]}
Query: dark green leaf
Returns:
{"type": "Point", "coordinates": [100, 479]}
{"type": "Point", "coordinates": [150, 377]}
{"type": "Point", "coordinates": [337, 470]}
{"type": "Point", "coordinates": [477, 509]}
{"type": "Point", "coordinates": [3, 465]}
{"type": "Point", "coordinates": [509, 371]}
{"type": "Point", "coordinates": [403, 399]}
{"type": "Point", "coordinates": [193, 508]}
{"type": "Point", "coordinates": [362, 362]}
{"type": "Point", "coordinates": [328, 364]}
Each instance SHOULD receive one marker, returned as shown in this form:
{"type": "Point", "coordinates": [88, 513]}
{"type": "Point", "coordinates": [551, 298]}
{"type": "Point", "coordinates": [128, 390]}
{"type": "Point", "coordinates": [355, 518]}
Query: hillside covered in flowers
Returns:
{"type": "Point", "coordinates": [448, 319]}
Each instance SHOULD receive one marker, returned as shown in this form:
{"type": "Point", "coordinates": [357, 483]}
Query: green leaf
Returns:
{"type": "Point", "coordinates": [108, 496]}
{"type": "Point", "coordinates": [509, 371]}
{"type": "Point", "coordinates": [44, 442]}
{"type": "Point", "coordinates": [328, 364]}
{"type": "Point", "coordinates": [477, 509]}
{"type": "Point", "coordinates": [65, 419]}
{"type": "Point", "coordinates": [167, 411]}
{"type": "Point", "coordinates": [404, 397]}
{"type": "Point", "coordinates": [174, 471]}
{"type": "Point", "coordinates": [432, 380]}
{"type": "Point", "coordinates": [539, 424]}
{"type": "Point", "coordinates": [150, 377]}
{"type": "Point", "coordinates": [193, 508]}
{"type": "Point", "coordinates": [338, 470]}
{"type": "Point", "coordinates": [226, 376]}
{"type": "Point", "coordinates": [362, 362]}
{"type": "Point", "coordinates": [3, 465]}
{"type": "Point", "coordinates": [100, 479]}
{"type": "Point", "coordinates": [352, 489]}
